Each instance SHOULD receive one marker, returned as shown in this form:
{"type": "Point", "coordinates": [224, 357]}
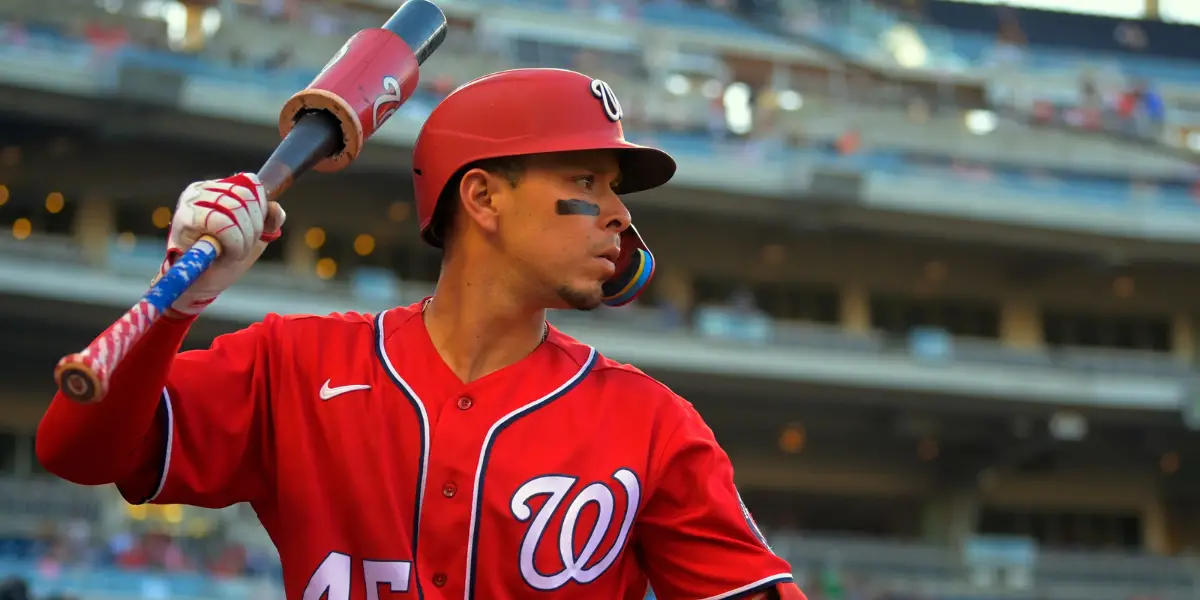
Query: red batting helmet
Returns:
{"type": "Point", "coordinates": [534, 111]}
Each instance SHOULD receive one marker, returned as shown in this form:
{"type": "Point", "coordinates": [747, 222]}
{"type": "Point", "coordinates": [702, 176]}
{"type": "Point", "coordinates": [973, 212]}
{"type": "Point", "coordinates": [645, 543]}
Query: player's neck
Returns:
{"type": "Point", "coordinates": [478, 326]}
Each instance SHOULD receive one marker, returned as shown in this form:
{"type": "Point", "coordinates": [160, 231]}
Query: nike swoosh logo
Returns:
{"type": "Point", "coordinates": [333, 392]}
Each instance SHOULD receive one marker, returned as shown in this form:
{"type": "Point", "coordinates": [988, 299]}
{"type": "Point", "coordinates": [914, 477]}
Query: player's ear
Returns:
{"type": "Point", "coordinates": [477, 193]}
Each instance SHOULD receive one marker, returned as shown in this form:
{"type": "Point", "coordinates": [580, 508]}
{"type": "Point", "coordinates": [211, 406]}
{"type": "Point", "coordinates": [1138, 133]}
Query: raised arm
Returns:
{"type": "Point", "coordinates": [186, 414]}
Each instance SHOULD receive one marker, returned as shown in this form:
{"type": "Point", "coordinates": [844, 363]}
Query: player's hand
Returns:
{"type": "Point", "coordinates": [235, 211]}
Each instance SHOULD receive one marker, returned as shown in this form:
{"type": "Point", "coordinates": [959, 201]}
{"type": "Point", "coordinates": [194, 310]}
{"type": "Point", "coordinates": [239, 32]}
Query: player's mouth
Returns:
{"type": "Point", "coordinates": [610, 267]}
{"type": "Point", "coordinates": [609, 259]}
{"type": "Point", "coordinates": [612, 253]}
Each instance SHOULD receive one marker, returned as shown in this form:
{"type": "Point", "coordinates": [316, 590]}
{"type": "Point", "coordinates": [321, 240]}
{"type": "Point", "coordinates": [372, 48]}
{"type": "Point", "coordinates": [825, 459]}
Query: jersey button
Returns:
{"type": "Point", "coordinates": [449, 490]}
{"type": "Point", "coordinates": [439, 579]}
{"type": "Point", "coordinates": [465, 403]}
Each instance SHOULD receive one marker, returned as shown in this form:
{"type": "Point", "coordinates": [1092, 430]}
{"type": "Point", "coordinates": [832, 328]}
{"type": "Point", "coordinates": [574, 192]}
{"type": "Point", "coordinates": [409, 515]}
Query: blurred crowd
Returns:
{"type": "Point", "coordinates": [1121, 103]}
{"type": "Point", "coordinates": [74, 547]}
{"type": "Point", "coordinates": [77, 546]}
{"type": "Point", "coordinates": [1128, 105]}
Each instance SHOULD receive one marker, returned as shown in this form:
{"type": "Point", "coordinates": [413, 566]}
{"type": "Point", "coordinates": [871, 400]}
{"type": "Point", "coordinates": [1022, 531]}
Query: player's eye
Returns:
{"type": "Point", "coordinates": [587, 182]}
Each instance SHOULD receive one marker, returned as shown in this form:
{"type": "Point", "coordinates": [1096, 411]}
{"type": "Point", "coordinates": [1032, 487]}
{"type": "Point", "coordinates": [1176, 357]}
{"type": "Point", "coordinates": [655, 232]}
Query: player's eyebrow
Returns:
{"type": "Point", "coordinates": [593, 165]}
{"type": "Point", "coordinates": [602, 172]}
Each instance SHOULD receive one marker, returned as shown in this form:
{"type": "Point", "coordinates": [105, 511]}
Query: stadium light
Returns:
{"type": "Point", "coordinates": [314, 238]}
{"type": "Point", "coordinates": [1123, 286]}
{"type": "Point", "coordinates": [21, 228]}
{"type": "Point", "coordinates": [981, 122]}
{"type": "Point", "coordinates": [793, 438]}
{"type": "Point", "coordinates": [126, 240]}
{"type": "Point", "coordinates": [1193, 141]}
{"type": "Point", "coordinates": [364, 244]}
{"type": "Point", "coordinates": [326, 268]}
{"type": "Point", "coordinates": [1068, 426]}
{"type": "Point", "coordinates": [398, 211]}
{"type": "Point", "coordinates": [738, 114]}
{"type": "Point", "coordinates": [678, 85]}
{"type": "Point", "coordinates": [161, 217]}
{"type": "Point", "coordinates": [55, 202]}
{"type": "Point", "coordinates": [906, 46]}
{"type": "Point", "coordinates": [789, 100]}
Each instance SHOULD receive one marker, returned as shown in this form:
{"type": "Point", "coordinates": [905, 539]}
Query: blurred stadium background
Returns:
{"type": "Point", "coordinates": [929, 269]}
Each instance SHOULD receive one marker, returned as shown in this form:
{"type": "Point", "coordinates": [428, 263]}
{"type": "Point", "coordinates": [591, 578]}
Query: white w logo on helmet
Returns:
{"type": "Point", "coordinates": [608, 98]}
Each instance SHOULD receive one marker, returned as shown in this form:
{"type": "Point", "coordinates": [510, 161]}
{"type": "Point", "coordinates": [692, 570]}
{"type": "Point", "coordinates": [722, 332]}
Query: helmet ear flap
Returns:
{"type": "Point", "coordinates": [434, 233]}
{"type": "Point", "coordinates": [635, 269]}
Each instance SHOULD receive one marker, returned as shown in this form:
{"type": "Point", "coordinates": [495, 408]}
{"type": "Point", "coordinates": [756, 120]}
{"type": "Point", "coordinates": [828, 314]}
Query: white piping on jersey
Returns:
{"type": "Point", "coordinates": [166, 468]}
{"type": "Point", "coordinates": [751, 523]}
{"type": "Point", "coordinates": [749, 586]}
{"type": "Point", "coordinates": [387, 363]}
{"type": "Point", "coordinates": [477, 493]}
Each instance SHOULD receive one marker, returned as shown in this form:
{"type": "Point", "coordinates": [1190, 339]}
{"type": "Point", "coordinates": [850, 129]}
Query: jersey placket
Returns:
{"type": "Point", "coordinates": [456, 440]}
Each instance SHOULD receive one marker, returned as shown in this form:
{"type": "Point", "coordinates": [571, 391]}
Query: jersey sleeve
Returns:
{"type": "Point", "coordinates": [694, 536]}
{"type": "Point", "coordinates": [211, 444]}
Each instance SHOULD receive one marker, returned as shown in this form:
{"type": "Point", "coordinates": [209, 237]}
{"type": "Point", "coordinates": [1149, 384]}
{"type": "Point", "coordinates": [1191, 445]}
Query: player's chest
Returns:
{"type": "Point", "coordinates": [498, 438]}
{"type": "Point", "coordinates": [403, 431]}
{"type": "Point", "coordinates": [552, 475]}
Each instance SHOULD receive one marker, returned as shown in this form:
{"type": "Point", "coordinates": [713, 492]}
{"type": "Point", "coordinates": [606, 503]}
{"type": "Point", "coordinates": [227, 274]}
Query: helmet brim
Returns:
{"type": "Point", "coordinates": [642, 167]}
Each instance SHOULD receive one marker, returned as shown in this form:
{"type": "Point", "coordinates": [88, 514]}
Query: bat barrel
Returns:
{"type": "Point", "coordinates": [365, 83]}
{"type": "Point", "coordinates": [422, 26]}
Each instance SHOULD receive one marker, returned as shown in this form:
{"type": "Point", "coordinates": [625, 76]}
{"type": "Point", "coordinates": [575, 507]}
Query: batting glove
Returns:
{"type": "Point", "coordinates": [235, 211]}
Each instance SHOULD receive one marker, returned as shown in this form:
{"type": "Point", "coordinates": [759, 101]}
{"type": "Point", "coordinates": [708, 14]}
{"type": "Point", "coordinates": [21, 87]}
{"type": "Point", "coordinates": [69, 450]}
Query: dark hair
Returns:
{"type": "Point", "coordinates": [510, 167]}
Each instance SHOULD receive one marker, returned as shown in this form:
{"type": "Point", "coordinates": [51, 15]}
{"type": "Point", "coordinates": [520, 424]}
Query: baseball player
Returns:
{"type": "Point", "coordinates": [460, 447]}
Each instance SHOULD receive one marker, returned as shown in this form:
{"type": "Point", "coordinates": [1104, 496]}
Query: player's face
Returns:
{"type": "Point", "coordinates": [567, 234]}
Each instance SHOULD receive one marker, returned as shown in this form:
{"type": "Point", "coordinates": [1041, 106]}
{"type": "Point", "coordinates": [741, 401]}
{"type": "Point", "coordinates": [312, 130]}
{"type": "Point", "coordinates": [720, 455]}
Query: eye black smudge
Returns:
{"type": "Point", "coordinates": [574, 206]}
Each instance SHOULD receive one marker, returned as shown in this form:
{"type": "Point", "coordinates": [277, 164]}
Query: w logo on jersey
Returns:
{"type": "Point", "coordinates": [572, 563]}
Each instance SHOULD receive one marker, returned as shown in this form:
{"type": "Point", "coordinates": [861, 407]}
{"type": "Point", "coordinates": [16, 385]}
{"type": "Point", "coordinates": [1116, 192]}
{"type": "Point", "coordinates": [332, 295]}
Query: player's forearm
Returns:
{"type": "Point", "coordinates": [94, 444]}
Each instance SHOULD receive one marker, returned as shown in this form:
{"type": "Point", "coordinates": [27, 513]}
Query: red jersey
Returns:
{"type": "Point", "coordinates": [378, 473]}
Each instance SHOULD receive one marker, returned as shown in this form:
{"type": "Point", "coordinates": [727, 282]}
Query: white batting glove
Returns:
{"type": "Point", "coordinates": [235, 211]}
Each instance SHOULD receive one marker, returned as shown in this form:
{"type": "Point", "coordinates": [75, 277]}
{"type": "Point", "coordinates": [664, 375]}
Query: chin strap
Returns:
{"type": "Point", "coordinates": [635, 268]}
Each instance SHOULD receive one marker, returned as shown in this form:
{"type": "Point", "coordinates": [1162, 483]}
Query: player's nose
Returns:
{"type": "Point", "coordinates": [615, 215]}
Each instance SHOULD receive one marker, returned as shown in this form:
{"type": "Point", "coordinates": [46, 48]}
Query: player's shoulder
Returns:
{"type": "Point", "coordinates": [349, 323]}
{"type": "Point", "coordinates": [621, 381]}
{"type": "Point", "coordinates": [332, 323]}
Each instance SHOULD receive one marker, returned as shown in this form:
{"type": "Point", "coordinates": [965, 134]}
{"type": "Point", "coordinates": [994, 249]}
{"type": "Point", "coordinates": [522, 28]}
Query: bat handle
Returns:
{"type": "Point", "coordinates": [84, 376]}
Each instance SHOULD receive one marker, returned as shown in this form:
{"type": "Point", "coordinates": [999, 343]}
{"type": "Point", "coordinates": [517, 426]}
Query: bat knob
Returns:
{"type": "Point", "coordinates": [79, 379]}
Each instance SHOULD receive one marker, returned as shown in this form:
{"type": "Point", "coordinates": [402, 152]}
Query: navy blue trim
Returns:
{"type": "Point", "coordinates": [770, 585]}
{"type": "Point", "coordinates": [416, 405]}
{"type": "Point", "coordinates": [487, 454]}
{"type": "Point", "coordinates": [162, 417]}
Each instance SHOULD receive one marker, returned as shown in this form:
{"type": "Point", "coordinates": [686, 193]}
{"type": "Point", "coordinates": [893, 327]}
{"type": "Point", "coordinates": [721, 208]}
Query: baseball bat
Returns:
{"type": "Point", "coordinates": [324, 127]}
